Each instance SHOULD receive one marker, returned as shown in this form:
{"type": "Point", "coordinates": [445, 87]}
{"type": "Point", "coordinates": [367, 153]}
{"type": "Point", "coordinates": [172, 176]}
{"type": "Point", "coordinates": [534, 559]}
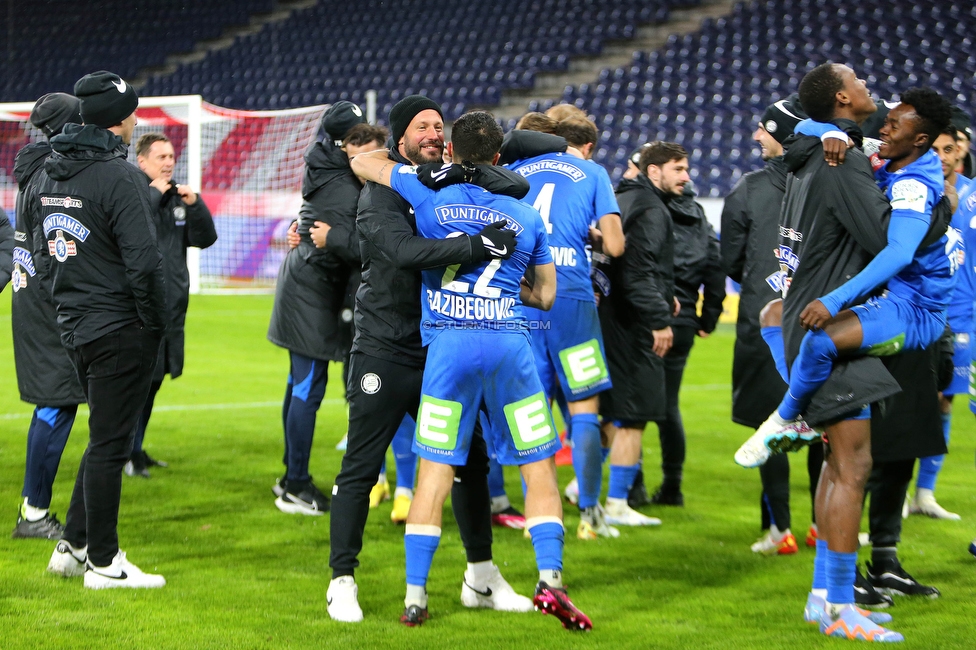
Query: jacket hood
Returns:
{"type": "Point", "coordinates": [323, 162]}
{"type": "Point", "coordinates": [799, 148]}
{"type": "Point", "coordinates": [80, 146]}
{"type": "Point", "coordinates": [776, 170]}
{"type": "Point", "coordinates": [684, 208]}
{"type": "Point", "coordinates": [29, 160]}
{"type": "Point", "coordinates": [641, 182]}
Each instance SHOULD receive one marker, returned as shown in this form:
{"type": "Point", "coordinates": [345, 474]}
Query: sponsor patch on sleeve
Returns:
{"type": "Point", "coordinates": [909, 194]}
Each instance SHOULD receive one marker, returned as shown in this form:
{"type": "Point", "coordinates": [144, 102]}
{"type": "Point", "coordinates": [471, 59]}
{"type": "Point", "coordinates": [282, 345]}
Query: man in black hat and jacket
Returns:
{"type": "Point", "coordinates": [386, 365]}
{"type": "Point", "coordinates": [309, 295]}
{"type": "Point", "coordinates": [750, 234]}
{"type": "Point", "coordinates": [107, 281]}
{"type": "Point", "coordinates": [45, 375]}
{"type": "Point", "coordinates": [182, 220]}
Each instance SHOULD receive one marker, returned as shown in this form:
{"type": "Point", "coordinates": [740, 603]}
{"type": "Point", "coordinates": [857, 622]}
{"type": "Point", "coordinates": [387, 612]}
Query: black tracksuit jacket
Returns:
{"type": "Point", "coordinates": [99, 237]}
{"type": "Point", "coordinates": [697, 264]}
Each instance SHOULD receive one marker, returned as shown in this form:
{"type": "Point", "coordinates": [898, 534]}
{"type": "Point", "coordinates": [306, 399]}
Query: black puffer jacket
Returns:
{"type": "Point", "coordinates": [834, 221]}
{"type": "Point", "coordinates": [45, 375]}
{"type": "Point", "coordinates": [178, 226]}
{"type": "Point", "coordinates": [306, 317]}
{"type": "Point", "coordinates": [94, 209]}
{"type": "Point", "coordinates": [697, 264]}
{"type": "Point", "coordinates": [388, 301]}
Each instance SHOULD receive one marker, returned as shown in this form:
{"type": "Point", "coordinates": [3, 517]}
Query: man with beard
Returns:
{"type": "Point", "coordinates": [386, 365]}
{"type": "Point", "coordinates": [750, 220]}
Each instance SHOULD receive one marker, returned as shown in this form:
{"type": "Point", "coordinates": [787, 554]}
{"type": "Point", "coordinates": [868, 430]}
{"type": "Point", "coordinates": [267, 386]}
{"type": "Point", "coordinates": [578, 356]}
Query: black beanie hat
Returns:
{"type": "Point", "coordinates": [340, 118]}
{"type": "Point", "coordinates": [781, 118]}
{"type": "Point", "coordinates": [405, 110]}
{"type": "Point", "coordinates": [106, 99]}
{"type": "Point", "coordinates": [52, 111]}
{"type": "Point", "coordinates": [960, 122]}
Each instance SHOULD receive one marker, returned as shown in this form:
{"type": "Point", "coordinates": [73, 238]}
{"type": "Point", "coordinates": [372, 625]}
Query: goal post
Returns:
{"type": "Point", "coordinates": [247, 166]}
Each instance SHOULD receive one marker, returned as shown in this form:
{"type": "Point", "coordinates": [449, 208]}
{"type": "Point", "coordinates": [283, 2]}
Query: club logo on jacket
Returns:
{"type": "Point", "coordinates": [23, 266]}
{"type": "Point", "coordinates": [61, 248]}
{"type": "Point", "coordinates": [179, 215]}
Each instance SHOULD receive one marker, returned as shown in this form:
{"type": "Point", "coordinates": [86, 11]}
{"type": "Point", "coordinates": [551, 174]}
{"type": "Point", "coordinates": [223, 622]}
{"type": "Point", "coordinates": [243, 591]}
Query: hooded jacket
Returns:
{"type": "Point", "coordinates": [697, 264]}
{"type": "Point", "coordinates": [178, 226]}
{"type": "Point", "coordinates": [6, 249]}
{"type": "Point", "coordinates": [834, 221]}
{"type": "Point", "coordinates": [388, 301]}
{"type": "Point", "coordinates": [637, 298]}
{"type": "Point", "coordinates": [306, 317]}
{"type": "Point", "coordinates": [750, 240]}
{"type": "Point", "coordinates": [99, 238]}
{"type": "Point", "coordinates": [45, 374]}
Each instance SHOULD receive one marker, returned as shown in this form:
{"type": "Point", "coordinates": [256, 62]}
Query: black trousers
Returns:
{"type": "Point", "coordinates": [380, 393]}
{"type": "Point", "coordinates": [671, 429]}
{"type": "Point", "coordinates": [115, 372]}
{"type": "Point", "coordinates": [775, 476]}
{"type": "Point", "coordinates": [888, 485]}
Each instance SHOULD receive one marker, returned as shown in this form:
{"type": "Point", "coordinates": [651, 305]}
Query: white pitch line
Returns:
{"type": "Point", "coordinates": [187, 407]}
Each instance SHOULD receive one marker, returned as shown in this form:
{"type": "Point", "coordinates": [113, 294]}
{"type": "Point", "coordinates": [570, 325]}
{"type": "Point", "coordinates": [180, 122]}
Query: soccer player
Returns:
{"type": "Point", "coordinates": [636, 311]}
{"type": "Point", "coordinates": [387, 361]}
{"type": "Point", "coordinates": [108, 284]}
{"type": "Point", "coordinates": [45, 375]}
{"type": "Point", "coordinates": [960, 317]}
{"type": "Point", "coordinates": [750, 230]}
{"type": "Point", "coordinates": [573, 195]}
{"type": "Point", "coordinates": [480, 358]}
{"type": "Point", "coordinates": [182, 220]}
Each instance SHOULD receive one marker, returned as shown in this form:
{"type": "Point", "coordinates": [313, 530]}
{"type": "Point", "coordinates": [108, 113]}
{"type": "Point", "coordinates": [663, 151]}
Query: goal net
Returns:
{"type": "Point", "coordinates": [247, 166]}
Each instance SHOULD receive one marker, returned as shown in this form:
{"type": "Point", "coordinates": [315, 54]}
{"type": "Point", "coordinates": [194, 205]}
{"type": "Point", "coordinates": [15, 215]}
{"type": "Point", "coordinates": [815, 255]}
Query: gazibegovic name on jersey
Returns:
{"type": "Point", "coordinates": [484, 295]}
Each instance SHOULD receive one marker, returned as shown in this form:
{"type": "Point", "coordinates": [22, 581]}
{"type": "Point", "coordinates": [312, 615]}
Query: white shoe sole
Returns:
{"type": "Point", "coordinates": [134, 581]}
{"type": "Point", "coordinates": [630, 521]}
{"type": "Point", "coordinates": [509, 602]}
{"type": "Point", "coordinates": [66, 566]}
{"type": "Point", "coordinates": [295, 509]}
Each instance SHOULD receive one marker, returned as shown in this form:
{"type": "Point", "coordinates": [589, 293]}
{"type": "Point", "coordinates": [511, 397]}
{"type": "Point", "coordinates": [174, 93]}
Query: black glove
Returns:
{"type": "Point", "coordinates": [437, 176]}
{"type": "Point", "coordinates": [493, 242]}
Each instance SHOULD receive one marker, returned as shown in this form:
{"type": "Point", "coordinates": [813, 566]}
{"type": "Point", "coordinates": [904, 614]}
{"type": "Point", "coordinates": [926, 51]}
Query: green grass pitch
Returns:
{"type": "Point", "coordinates": [243, 575]}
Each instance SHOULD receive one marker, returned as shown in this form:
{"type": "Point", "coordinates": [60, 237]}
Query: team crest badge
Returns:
{"type": "Point", "coordinates": [61, 248]}
{"type": "Point", "coordinates": [18, 279]}
{"type": "Point", "coordinates": [371, 383]}
{"type": "Point", "coordinates": [179, 214]}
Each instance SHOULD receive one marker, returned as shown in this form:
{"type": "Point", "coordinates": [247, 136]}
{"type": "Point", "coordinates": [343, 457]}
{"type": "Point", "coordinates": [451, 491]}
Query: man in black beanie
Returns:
{"type": "Point", "coordinates": [99, 244]}
{"type": "Point", "coordinates": [45, 375]}
{"type": "Point", "coordinates": [750, 222]}
{"type": "Point", "coordinates": [386, 365]}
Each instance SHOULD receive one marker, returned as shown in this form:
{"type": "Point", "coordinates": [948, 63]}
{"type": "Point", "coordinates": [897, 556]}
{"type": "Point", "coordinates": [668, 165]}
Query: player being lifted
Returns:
{"type": "Point", "coordinates": [480, 359]}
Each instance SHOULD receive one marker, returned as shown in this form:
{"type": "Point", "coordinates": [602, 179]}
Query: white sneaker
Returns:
{"type": "Point", "coordinates": [618, 513]}
{"type": "Point", "coordinates": [593, 524]}
{"type": "Point", "coordinates": [924, 503]}
{"type": "Point", "coordinates": [495, 594]}
{"type": "Point", "coordinates": [343, 600]}
{"type": "Point", "coordinates": [572, 491]}
{"type": "Point", "coordinates": [121, 574]}
{"type": "Point", "coordinates": [773, 437]}
{"type": "Point", "coordinates": [67, 561]}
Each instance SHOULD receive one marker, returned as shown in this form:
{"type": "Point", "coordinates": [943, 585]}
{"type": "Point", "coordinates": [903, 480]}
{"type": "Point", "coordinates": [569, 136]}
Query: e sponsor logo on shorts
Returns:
{"type": "Point", "coordinates": [584, 365]}
{"type": "Point", "coordinates": [530, 422]}
{"type": "Point", "coordinates": [371, 383]}
{"type": "Point", "coordinates": [438, 422]}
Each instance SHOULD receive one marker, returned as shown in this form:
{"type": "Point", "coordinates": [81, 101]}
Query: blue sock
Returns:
{"type": "Point", "coordinates": [810, 370]}
{"type": "Point", "coordinates": [820, 566]}
{"type": "Point", "coordinates": [840, 570]}
{"type": "Point", "coordinates": [587, 458]}
{"type": "Point", "coordinates": [547, 540]}
{"type": "Point", "coordinates": [773, 336]}
{"type": "Point", "coordinates": [621, 478]}
{"type": "Point", "coordinates": [420, 550]}
{"type": "Point", "coordinates": [929, 467]}
{"type": "Point", "coordinates": [403, 454]}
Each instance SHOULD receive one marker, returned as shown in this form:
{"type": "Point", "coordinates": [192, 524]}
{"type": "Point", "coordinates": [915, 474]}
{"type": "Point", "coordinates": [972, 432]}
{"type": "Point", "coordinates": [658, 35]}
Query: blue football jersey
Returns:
{"type": "Point", "coordinates": [571, 194]}
{"type": "Point", "coordinates": [483, 295]}
{"type": "Point", "coordinates": [961, 244]}
{"type": "Point", "coordinates": [913, 192]}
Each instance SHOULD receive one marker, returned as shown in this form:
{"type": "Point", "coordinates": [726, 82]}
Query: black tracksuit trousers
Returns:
{"type": "Point", "coordinates": [380, 393]}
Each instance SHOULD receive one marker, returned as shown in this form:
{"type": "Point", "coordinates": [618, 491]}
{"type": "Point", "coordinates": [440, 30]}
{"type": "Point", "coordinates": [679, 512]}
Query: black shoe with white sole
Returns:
{"type": "Point", "coordinates": [891, 578]}
{"type": "Point", "coordinates": [865, 595]}
{"type": "Point", "coordinates": [303, 499]}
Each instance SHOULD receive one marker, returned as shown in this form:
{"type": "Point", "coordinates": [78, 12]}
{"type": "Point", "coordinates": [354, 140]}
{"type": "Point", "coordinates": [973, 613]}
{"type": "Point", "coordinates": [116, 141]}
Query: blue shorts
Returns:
{"type": "Point", "coordinates": [961, 359]}
{"type": "Point", "coordinates": [891, 324]}
{"type": "Point", "coordinates": [568, 346]}
{"type": "Point", "coordinates": [483, 370]}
